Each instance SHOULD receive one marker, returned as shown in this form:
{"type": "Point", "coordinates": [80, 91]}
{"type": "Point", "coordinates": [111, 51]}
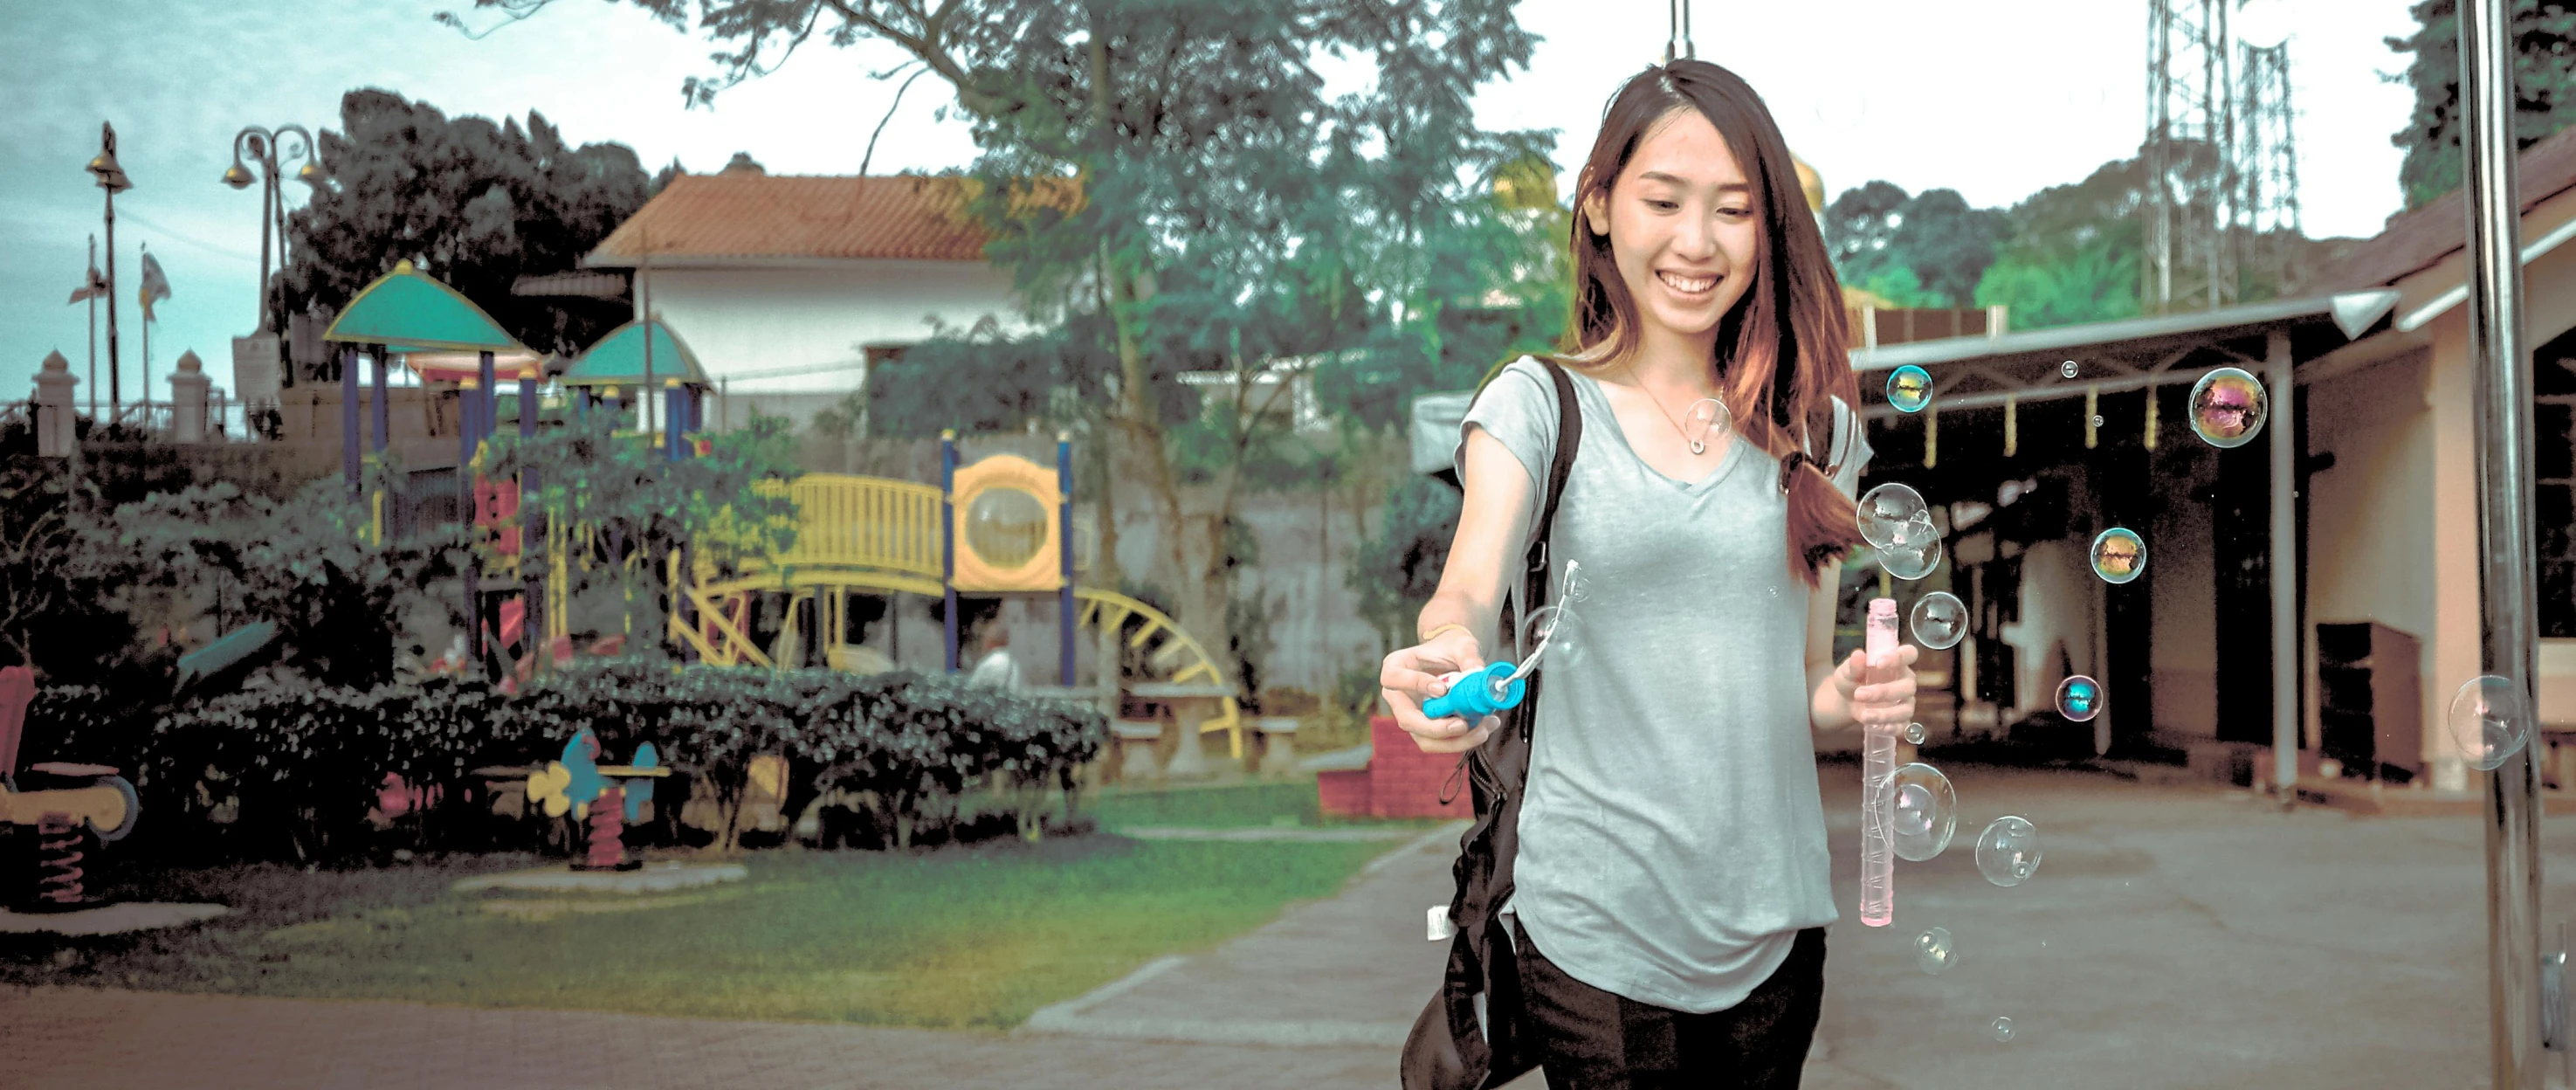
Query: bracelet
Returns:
{"type": "Point", "coordinates": [1435, 633]}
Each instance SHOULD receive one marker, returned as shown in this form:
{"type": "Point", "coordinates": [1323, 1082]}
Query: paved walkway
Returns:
{"type": "Point", "coordinates": [2173, 937]}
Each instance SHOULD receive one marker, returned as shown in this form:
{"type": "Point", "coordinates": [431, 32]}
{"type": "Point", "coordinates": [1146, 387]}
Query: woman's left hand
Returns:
{"type": "Point", "coordinates": [1880, 695]}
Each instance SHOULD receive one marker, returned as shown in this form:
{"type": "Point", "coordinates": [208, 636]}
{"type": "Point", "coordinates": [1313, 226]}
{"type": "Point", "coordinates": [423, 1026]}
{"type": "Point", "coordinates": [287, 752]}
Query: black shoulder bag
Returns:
{"type": "Point", "coordinates": [1450, 1047]}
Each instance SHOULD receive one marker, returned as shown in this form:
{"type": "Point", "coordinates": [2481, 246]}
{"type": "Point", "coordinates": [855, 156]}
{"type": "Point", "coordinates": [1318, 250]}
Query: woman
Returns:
{"type": "Point", "coordinates": [1671, 886]}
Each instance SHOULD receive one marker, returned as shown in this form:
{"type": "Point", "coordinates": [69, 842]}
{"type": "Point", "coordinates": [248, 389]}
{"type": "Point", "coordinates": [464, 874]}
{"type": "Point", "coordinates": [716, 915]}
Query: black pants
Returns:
{"type": "Point", "coordinates": [1589, 1039]}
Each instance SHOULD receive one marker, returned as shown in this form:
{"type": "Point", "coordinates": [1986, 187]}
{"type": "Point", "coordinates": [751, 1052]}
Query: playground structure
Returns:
{"type": "Point", "coordinates": [1002, 525]}
{"type": "Point", "coordinates": [985, 529]}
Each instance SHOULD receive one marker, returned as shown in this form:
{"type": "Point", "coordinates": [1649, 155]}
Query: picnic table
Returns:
{"type": "Point", "coordinates": [1192, 705]}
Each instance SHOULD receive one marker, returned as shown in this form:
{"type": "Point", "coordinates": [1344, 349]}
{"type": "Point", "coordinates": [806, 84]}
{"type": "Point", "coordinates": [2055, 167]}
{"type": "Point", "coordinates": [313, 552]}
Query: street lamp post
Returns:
{"type": "Point", "coordinates": [111, 177]}
{"type": "Point", "coordinates": [263, 145]}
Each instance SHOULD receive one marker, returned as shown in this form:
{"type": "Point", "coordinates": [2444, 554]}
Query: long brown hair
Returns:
{"type": "Point", "coordinates": [1793, 310]}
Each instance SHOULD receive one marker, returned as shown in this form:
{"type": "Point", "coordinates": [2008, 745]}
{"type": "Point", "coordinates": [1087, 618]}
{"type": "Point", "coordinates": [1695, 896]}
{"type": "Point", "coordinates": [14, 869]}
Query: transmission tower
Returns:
{"type": "Point", "coordinates": [2222, 175]}
{"type": "Point", "coordinates": [2269, 162]}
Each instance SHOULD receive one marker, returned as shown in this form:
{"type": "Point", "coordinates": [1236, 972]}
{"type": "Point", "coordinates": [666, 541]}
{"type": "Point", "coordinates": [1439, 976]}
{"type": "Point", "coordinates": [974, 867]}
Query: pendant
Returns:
{"type": "Point", "coordinates": [1698, 447]}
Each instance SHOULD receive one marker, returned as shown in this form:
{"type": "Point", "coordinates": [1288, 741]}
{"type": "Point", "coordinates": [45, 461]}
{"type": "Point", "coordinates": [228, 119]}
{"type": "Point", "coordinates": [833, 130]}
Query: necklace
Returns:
{"type": "Point", "coordinates": [1717, 417]}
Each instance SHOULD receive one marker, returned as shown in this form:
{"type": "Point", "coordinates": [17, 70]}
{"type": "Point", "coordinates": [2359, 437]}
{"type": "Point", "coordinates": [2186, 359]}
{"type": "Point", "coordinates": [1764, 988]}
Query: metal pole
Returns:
{"type": "Point", "coordinates": [2283, 398]}
{"type": "Point", "coordinates": [93, 334]}
{"type": "Point", "coordinates": [948, 540]}
{"type": "Point", "coordinates": [2507, 583]}
{"type": "Point", "coordinates": [533, 622]}
{"type": "Point", "coordinates": [114, 395]}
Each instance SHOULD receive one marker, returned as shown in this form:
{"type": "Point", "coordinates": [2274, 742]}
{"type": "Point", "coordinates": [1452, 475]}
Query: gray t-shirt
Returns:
{"type": "Point", "coordinates": [1672, 842]}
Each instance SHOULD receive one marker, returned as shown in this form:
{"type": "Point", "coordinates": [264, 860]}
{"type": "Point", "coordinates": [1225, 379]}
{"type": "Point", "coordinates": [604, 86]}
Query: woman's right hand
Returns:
{"type": "Point", "coordinates": [1415, 674]}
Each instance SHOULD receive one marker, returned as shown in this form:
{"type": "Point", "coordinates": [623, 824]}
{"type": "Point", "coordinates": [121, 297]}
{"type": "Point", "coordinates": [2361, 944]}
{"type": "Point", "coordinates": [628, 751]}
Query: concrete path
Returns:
{"type": "Point", "coordinates": [2173, 937]}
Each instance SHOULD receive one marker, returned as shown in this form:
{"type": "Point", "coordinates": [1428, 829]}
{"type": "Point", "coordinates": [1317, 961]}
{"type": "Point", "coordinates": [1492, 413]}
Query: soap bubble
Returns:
{"type": "Point", "coordinates": [2488, 721]}
{"type": "Point", "coordinates": [1909, 388]}
{"type": "Point", "coordinates": [1884, 513]}
{"type": "Point", "coordinates": [2008, 851]}
{"type": "Point", "coordinates": [1559, 630]}
{"type": "Point", "coordinates": [2119, 555]}
{"type": "Point", "coordinates": [1922, 811]}
{"type": "Point", "coordinates": [1914, 549]}
{"type": "Point", "coordinates": [2079, 698]}
{"type": "Point", "coordinates": [1914, 734]}
{"type": "Point", "coordinates": [2228, 407]}
{"type": "Point", "coordinates": [2003, 1029]}
{"type": "Point", "coordinates": [1932, 950]}
{"type": "Point", "coordinates": [1706, 420]}
{"type": "Point", "coordinates": [2066, 369]}
{"type": "Point", "coordinates": [1939, 620]}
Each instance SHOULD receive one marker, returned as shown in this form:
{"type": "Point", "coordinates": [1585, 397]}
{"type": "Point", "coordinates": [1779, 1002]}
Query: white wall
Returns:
{"type": "Point", "coordinates": [745, 319]}
{"type": "Point", "coordinates": [2058, 601]}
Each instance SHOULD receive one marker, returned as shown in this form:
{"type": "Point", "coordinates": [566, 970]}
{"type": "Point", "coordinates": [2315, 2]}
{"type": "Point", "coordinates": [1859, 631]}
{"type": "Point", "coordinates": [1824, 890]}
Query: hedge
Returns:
{"type": "Point", "coordinates": [292, 772]}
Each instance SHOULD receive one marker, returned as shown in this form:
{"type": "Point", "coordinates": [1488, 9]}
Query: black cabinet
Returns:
{"type": "Point", "coordinates": [2370, 706]}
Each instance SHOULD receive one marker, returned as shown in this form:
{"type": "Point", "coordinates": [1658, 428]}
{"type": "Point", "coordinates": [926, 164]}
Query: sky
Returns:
{"type": "Point", "coordinates": [1994, 98]}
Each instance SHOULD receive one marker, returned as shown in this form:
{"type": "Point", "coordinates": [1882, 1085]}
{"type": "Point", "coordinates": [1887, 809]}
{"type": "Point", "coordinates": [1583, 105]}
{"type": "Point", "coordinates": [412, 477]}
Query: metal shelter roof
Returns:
{"type": "Point", "coordinates": [618, 358]}
{"type": "Point", "coordinates": [2130, 354]}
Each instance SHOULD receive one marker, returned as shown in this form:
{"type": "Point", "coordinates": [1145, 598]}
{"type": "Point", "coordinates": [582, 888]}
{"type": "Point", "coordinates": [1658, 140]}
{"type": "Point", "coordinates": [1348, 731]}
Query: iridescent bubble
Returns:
{"type": "Point", "coordinates": [1922, 812]}
{"type": "Point", "coordinates": [1939, 620]}
{"type": "Point", "coordinates": [1909, 388]}
{"type": "Point", "coordinates": [2119, 555]}
{"type": "Point", "coordinates": [1914, 734]}
{"type": "Point", "coordinates": [2003, 1029]}
{"type": "Point", "coordinates": [1932, 950]}
{"type": "Point", "coordinates": [2228, 407]}
{"type": "Point", "coordinates": [2488, 721]}
{"type": "Point", "coordinates": [2079, 698]}
{"type": "Point", "coordinates": [1884, 513]}
{"type": "Point", "coordinates": [1559, 630]}
{"type": "Point", "coordinates": [2008, 851]}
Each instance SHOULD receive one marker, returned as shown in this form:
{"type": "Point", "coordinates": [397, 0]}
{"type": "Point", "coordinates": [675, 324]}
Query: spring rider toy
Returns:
{"type": "Point", "coordinates": [580, 785]}
{"type": "Point", "coordinates": [69, 805]}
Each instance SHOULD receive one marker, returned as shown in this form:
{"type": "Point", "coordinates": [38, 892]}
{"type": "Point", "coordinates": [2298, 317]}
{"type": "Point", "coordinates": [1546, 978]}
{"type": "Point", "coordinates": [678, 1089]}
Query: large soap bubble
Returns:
{"type": "Point", "coordinates": [1913, 550]}
{"type": "Point", "coordinates": [1939, 620]}
{"type": "Point", "coordinates": [1922, 811]}
{"type": "Point", "coordinates": [1706, 420]}
{"type": "Point", "coordinates": [2228, 407]}
{"type": "Point", "coordinates": [2488, 721]}
{"type": "Point", "coordinates": [2008, 851]}
{"type": "Point", "coordinates": [1558, 629]}
{"type": "Point", "coordinates": [1909, 388]}
{"type": "Point", "coordinates": [1884, 513]}
{"type": "Point", "coordinates": [2002, 1028]}
{"type": "Point", "coordinates": [2079, 698]}
{"type": "Point", "coordinates": [2119, 555]}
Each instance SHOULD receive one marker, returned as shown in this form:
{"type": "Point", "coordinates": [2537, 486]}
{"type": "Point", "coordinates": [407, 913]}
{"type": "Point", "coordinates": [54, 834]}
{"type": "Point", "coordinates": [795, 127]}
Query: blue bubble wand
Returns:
{"type": "Point", "coordinates": [1501, 685]}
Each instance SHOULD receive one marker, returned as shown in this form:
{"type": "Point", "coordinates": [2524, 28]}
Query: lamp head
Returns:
{"type": "Point", "coordinates": [111, 177]}
{"type": "Point", "coordinates": [312, 174]}
{"type": "Point", "coordinates": [237, 176]}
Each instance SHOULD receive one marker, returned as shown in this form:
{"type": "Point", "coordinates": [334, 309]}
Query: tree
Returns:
{"type": "Point", "coordinates": [1223, 215]}
{"type": "Point", "coordinates": [2544, 88]}
{"type": "Point", "coordinates": [1926, 250]}
{"type": "Point", "coordinates": [475, 204]}
{"type": "Point", "coordinates": [2074, 252]}
{"type": "Point", "coordinates": [616, 507]}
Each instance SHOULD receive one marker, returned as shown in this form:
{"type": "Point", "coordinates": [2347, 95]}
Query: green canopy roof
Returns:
{"type": "Point", "coordinates": [618, 359]}
{"type": "Point", "coordinates": [407, 307]}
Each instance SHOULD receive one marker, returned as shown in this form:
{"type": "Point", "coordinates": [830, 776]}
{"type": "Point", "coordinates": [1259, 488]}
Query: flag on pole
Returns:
{"type": "Point", "coordinates": [96, 288]}
{"type": "Point", "coordinates": [155, 285]}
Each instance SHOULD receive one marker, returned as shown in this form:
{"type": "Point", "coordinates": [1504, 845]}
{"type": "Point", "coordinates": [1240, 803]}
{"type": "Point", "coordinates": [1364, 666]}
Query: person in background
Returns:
{"type": "Point", "coordinates": [997, 668]}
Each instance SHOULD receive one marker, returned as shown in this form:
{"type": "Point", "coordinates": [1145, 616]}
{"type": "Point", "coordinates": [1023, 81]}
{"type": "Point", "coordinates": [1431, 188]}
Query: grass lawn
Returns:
{"type": "Point", "coordinates": [974, 936]}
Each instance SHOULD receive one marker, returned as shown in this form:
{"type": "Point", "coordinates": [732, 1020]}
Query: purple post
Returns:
{"type": "Point", "coordinates": [349, 417]}
{"type": "Point", "coordinates": [1064, 557]}
{"type": "Point", "coordinates": [948, 540]}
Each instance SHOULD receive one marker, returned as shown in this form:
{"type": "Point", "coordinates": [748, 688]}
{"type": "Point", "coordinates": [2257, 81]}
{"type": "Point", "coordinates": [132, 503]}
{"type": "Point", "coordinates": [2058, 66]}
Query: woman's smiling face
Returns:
{"type": "Point", "coordinates": [1683, 223]}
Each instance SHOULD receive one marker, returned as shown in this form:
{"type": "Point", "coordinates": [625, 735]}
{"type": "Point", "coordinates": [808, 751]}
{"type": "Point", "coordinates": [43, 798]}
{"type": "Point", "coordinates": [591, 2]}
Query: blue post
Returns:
{"type": "Point", "coordinates": [349, 417]}
{"type": "Point", "coordinates": [672, 423]}
{"type": "Point", "coordinates": [381, 423]}
{"type": "Point", "coordinates": [1064, 557]}
{"type": "Point", "coordinates": [467, 397]}
{"type": "Point", "coordinates": [488, 409]}
{"type": "Point", "coordinates": [532, 585]}
{"type": "Point", "coordinates": [948, 539]}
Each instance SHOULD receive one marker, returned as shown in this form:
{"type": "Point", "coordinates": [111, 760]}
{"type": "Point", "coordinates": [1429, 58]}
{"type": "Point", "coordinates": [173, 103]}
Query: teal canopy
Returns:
{"type": "Point", "coordinates": [407, 307]}
{"type": "Point", "coordinates": [618, 359]}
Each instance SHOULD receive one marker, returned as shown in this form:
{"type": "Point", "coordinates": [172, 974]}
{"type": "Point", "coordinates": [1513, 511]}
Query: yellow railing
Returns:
{"type": "Point", "coordinates": [860, 522]}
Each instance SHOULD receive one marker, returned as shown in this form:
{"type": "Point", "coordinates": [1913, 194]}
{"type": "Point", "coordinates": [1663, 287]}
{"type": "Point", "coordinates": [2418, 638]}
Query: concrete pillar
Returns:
{"type": "Point", "coordinates": [55, 432]}
{"type": "Point", "coordinates": [188, 386]}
